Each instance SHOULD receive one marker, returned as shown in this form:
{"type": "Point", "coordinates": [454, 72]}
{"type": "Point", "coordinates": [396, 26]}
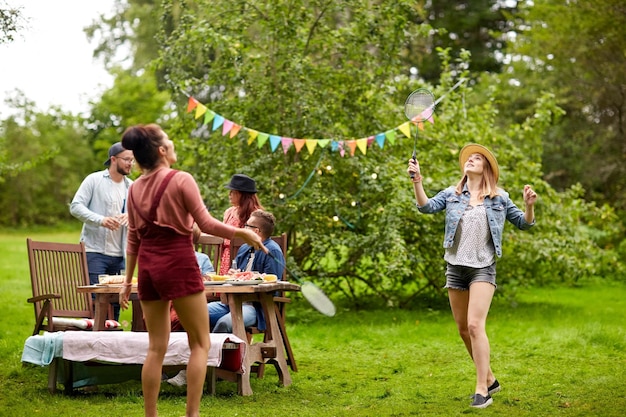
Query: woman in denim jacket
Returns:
{"type": "Point", "coordinates": [475, 213]}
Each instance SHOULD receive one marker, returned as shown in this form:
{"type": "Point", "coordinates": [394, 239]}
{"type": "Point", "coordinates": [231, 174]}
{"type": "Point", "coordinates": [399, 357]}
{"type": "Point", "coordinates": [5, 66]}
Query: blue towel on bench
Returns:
{"type": "Point", "coordinates": [42, 349]}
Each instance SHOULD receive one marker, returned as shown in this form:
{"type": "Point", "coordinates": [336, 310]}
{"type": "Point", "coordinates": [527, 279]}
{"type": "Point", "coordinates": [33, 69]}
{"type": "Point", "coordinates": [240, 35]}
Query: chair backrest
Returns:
{"type": "Point", "coordinates": [281, 239]}
{"type": "Point", "coordinates": [58, 268]}
{"type": "Point", "coordinates": [212, 246]}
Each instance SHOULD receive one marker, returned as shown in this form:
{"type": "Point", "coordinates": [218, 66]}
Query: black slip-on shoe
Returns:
{"type": "Point", "coordinates": [493, 388]}
{"type": "Point", "coordinates": [481, 402]}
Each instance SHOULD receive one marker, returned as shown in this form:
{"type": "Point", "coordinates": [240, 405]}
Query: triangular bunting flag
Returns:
{"type": "Point", "coordinates": [342, 150]}
{"type": "Point", "coordinates": [380, 139]}
{"type": "Point", "coordinates": [423, 115]}
{"type": "Point", "coordinates": [406, 129]}
{"type": "Point", "coordinates": [310, 145]}
{"type": "Point", "coordinates": [261, 139]}
{"type": "Point", "coordinates": [362, 145]}
{"type": "Point", "coordinates": [274, 141]}
{"type": "Point", "coordinates": [323, 142]}
{"type": "Point", "coordinates": [252, 134]}
{"type": "Point", "coordinates": [286, 142]}
{"type": "Point", "coordinates": [208, 116]}
{"type": "Point", "coordinates": [191, 104]}
{"type": "Point", "coordinates": [420, 125]}
{"type": "Point", "coordinates": [298, 143]}
{"type": "Point", "coordinates": [391, 136]}
{"type": "Point", "coordinates": [234, 130]}
{"type": "Point", "coordinates": [226, 127]}
{"type": "Point", "coordinates": [200, 110]}
{"type": "Point", "coordinates": [217, 121]}
{"type": "Point", "coordinates": [352, 146]}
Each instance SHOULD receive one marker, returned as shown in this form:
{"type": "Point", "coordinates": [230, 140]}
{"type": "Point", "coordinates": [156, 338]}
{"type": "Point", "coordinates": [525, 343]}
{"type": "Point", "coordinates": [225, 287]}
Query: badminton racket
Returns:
{"type": "Point", "coordinates": [313, 294]}
{"type": "Point", "coordinates": [419, 106]}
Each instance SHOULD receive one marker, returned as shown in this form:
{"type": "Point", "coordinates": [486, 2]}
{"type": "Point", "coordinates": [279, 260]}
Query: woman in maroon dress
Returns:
{"type": "Point", "coordinates": [162, 206]}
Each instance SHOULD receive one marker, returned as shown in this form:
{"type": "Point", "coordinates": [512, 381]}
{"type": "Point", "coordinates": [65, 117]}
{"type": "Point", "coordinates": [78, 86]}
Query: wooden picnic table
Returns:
{"type": "Point", "coordinates": [269, 351]}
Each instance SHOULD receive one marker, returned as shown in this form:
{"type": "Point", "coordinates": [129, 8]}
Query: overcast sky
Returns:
{"type": "Point", "coordinates": [50, 60]}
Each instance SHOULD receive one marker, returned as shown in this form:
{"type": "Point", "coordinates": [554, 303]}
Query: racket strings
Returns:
{"type": "Point", "coordinates": [419, 106]}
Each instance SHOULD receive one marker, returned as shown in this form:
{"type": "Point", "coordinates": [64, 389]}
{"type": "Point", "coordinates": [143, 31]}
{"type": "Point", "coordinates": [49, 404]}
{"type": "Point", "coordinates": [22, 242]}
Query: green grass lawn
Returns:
{"type": "Point", "coordinates": [556, 352]}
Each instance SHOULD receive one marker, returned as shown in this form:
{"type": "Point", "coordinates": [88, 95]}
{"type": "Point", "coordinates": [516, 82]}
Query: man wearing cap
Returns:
{"type": "Point", "coordinates": [476, 210]}
{"type": "Point", "coordinates": [100, 203]}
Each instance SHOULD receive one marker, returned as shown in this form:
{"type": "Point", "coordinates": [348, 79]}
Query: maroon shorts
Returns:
{"type": "Point", "coordinates": [168, 268]}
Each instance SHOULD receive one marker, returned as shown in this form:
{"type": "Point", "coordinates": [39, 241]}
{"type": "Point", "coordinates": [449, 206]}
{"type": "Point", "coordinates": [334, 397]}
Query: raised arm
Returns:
{"type": "Point", "coordinates": [418, 188]}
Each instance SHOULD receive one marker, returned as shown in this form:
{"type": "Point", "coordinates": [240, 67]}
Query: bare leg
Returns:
{"type": "Point", "coordinates": [470, 309]}
{"type": "Point", "coordinates": [193, 315]}
{"type": "Point", "coordinates": [157, 319]}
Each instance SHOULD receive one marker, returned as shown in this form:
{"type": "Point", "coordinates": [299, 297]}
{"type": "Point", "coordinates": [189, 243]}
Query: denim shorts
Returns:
{"type": "Point", "coordinates": [461, 277]}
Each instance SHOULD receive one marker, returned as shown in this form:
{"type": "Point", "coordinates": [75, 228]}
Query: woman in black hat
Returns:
{"type": "Point", "coordinates": [244, 200]}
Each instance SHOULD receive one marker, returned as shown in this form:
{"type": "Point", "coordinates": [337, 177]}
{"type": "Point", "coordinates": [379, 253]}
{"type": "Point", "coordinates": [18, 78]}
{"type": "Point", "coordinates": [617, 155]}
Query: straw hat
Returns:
{"type": "Point", "coordinates": [475, 148]}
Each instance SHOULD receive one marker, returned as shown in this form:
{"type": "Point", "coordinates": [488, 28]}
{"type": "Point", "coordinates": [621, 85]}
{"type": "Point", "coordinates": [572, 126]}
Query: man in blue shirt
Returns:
{"type": "Point", "coordinates": [262, 222]}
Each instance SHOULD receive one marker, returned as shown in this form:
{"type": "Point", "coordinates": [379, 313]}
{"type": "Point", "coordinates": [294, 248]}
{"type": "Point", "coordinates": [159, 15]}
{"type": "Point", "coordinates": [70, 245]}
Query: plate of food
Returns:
{"type": "Point", "coordinates": [214, 283]}
{"type": "Point", "coordinates": [244, 282]}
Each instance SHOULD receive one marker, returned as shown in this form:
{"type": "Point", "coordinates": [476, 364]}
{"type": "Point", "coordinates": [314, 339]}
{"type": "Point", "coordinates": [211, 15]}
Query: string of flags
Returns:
{"type": "Point", "coordinates": [231, 129]}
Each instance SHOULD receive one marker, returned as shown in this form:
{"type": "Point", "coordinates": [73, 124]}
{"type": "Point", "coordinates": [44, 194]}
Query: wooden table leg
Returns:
{"type": "Point", "coordinates": [102, 302]}
{"type": "Point", "coordinates": [274, 339]}
{"type": "Point", "coordinates": [137, 324]}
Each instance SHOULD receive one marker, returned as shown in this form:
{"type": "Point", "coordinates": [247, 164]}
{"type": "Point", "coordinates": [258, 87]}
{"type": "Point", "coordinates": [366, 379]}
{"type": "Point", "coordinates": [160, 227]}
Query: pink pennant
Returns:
{"type": "Point", "coordinates": [286, 142]}
{"type": "Point", "coordinates": [226, 127]}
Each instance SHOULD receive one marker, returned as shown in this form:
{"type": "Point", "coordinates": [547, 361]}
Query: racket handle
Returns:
{"type": "Point", "coordinates": [414, 158]}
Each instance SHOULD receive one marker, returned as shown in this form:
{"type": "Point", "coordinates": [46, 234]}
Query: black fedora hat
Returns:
{"type": "Point", "coordinates": [242, 183]}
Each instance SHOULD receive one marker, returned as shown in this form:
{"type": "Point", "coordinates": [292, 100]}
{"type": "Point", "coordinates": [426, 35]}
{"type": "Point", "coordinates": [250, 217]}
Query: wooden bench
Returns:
{"type": "Point", "coordinates": [79, 359]}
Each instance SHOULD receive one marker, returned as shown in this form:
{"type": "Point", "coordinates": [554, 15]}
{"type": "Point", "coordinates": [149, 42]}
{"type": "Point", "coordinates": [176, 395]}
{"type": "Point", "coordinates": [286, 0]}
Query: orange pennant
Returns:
{"type": "Point", "coordinates": [298, 144]}
{"type": "Point", "coordinates": [352, 146]}
{"type": "Point", "coordinates": [191, 104]}
{"type": "Point", "coordinates": [234, 130]}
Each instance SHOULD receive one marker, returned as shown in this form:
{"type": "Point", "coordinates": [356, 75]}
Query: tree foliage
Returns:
{"type": "Point", "coordinates": [323, 69]}
{"type": "Point", "coordinates": [133, 98]}
{"type": "Point", "coordinates": [48, 156]}
{"type": "Point", "coordinates": [577, 49]}
{"type": "Point", "coordinates": [478, 26]}
{"type": "Point", "coordinates": [11, 21]}
{"type": "Point", "coordinates": [332, 70]}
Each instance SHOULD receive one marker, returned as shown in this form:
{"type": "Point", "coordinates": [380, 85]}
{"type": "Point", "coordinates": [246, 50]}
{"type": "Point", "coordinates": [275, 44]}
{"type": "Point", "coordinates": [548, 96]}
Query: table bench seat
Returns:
{"type": "Point", "coordinates": [77, 359]}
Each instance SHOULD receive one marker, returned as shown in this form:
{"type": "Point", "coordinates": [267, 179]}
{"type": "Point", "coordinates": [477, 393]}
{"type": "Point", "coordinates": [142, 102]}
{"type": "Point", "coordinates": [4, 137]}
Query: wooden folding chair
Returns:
{"type": "Point", "coordinates": [281, 303]}
{"type": "Point", "coordinates": [56, 269]}
{"type": "Point", "coordinates": [212, 247]}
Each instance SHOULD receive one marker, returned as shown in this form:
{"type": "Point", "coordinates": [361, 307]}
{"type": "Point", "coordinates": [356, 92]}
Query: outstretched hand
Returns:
{"type": "Point", "coordinates": [530, 197]}
{"type": "Point", "coordinates": [252, 239]}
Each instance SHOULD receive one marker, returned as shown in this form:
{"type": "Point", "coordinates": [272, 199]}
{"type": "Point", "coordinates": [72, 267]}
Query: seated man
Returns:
{"type": "Point", "coordinates": [249, 260]}
{"type": "Point", "coordinates": [262, 222]}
